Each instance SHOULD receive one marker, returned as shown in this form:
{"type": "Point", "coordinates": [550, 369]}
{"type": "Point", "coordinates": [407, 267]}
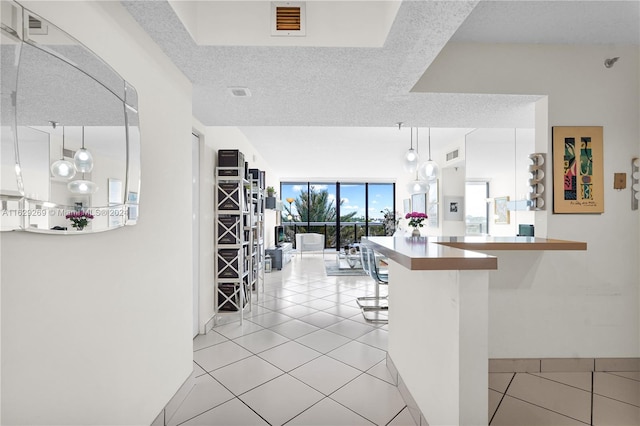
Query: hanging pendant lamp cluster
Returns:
{"type": "Point", "coordinates": [82, 163]}
{"type": "Point", "coordinates": [425, 172]}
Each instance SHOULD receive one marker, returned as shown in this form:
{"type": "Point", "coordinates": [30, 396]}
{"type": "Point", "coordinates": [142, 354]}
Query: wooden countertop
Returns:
{"type": "Point", "coordinates": [457, 253]}
{"type": "Point", "coordinates": [508, 243]}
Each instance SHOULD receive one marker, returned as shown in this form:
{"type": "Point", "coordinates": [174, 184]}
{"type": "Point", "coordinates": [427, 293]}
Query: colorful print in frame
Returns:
{"type": "Point", "coordinates": [578, 181]}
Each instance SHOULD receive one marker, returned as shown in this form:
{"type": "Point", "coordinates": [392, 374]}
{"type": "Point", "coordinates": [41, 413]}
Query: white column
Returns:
{"type": "Point", "coordinates": [438, 341]}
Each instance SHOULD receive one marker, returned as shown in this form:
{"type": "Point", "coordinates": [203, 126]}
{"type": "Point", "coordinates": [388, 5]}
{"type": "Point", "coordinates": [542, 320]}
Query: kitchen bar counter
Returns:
{"type": "Point", "coordinates": [439, 317]}
{"type": "Point", "coordinates": [459, 253]}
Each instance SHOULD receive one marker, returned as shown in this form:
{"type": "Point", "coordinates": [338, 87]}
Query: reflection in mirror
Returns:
{"type": "Point", "coordinates": [58, 98]}
{"type": "Point", "coordinates": [500, 158]}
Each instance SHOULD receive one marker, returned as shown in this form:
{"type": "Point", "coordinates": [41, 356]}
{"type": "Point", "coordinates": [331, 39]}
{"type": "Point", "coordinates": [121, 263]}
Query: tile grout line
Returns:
{"type": "Point", "coordinates": [617, 400]}
{"type": "Point", "coordinates": [559, 382]}
{"type": "Point", "coordinates": [592, 389]}
{"type": "Point", "coordinates": [547, 409]}
{"type": "Point", "coordinates": [501, 399]}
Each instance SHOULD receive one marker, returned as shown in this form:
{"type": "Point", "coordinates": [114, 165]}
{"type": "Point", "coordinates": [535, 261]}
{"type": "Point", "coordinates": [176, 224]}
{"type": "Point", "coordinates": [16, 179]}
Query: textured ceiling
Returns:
{"type": "Point", "coordinates": [347, 87]}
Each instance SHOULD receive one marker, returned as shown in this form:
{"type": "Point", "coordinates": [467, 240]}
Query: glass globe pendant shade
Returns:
{"type": "Point", "coordinates": [83, 161]}
{"type": "Point", "coordinates": [418, 187]}
{"type": "Point", "coordinates": [82, 187]}
{"type": "Point", "coordinates": [428, 170]}
{"type": "Point", "coordinates": [411, 160]}
{"type": "Point", "coordinates": [63, 169]}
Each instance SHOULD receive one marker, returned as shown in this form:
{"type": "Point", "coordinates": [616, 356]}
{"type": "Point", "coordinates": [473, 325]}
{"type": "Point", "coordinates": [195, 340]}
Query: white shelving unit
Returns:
{"type": "Point", "coordinates": [257, 200]}
{"type": "Point", "coordinates": [233, 241]}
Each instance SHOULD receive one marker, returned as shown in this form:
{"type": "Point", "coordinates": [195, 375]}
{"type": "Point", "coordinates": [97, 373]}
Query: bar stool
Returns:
{"type": "Point", "coordinates": [374, 308]}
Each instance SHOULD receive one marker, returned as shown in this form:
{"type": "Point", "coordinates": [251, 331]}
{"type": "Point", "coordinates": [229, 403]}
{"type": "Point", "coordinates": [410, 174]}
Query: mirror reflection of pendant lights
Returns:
{"type": "Point", "coordinates": [62, 168]}
{"type": "Point", "coordinates": [429, 169]}
{"type": "Point", "coordinates": [82, 186]}
{"type": "Point", "coordinates": [82, 159]}
{"type": "Point", "coordinates": [411, 157]}
{"type": "Point", "coordinates": [83, 162]}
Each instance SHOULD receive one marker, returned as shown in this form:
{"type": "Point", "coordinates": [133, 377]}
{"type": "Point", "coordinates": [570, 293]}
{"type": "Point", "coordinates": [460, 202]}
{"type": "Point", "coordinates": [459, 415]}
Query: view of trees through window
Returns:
{"type": "Point", "coordinates": [356, 209]}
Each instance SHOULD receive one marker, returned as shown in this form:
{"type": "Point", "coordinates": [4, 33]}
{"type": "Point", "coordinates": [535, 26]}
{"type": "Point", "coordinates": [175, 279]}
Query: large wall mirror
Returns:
{"type": "Point", "coordinates": [70, 139]}
{"type": "Point", "coordinates": [497, 187]}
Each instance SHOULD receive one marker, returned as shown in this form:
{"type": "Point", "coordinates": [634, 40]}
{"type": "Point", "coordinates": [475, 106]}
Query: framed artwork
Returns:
{"type": "Point", "coordinates": [406, 203]}
{"type": "Point", "coordinates": [501, 210]}
{"type": "Point", "coordinates": [419, 203]}
{"type": "Point", "coordinates": [578, 180]}
{"type": "Point", "coordinates": [453, 208]}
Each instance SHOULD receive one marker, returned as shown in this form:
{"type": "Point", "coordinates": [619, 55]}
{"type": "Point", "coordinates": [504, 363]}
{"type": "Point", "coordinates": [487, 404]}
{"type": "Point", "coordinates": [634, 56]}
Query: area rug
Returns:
{"type": "Point", "coordinates": [332, 269]}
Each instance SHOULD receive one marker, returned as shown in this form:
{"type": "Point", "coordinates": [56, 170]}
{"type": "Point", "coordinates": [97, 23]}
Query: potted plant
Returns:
{"type": "Point", "coordinates": [271, 192]}
{"type": "Point", "coordinates": [415, 221]}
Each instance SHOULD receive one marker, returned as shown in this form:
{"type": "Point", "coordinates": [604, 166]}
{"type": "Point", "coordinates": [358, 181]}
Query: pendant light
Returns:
{"type": "Point", "coordinates": [82, 186]}
{"type": "Point", "coordinates": [62, 168]}
{"type": "Point", "coordinates": [429, 169]}
{"type": "Point", "coordinates": [419, 185]}
{"type": "Point", "coordinates": [83, 160]}
{"type": "Point", "coordinates": [411, 157]}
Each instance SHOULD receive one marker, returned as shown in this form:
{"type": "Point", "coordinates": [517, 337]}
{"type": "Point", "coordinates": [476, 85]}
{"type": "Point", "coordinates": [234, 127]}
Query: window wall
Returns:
{"type": "Point", "coordinates": [343, 212]}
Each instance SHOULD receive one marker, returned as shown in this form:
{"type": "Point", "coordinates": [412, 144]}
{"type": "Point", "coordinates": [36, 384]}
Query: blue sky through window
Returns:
{"type": "Point", "coordinates": [352, 194]}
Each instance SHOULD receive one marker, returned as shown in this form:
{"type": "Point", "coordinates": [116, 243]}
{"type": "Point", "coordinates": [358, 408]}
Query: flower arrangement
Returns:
{"type": "Point", "coordinates": [415, 219]}
{"type": "Point", "coordinates": [79, 219]}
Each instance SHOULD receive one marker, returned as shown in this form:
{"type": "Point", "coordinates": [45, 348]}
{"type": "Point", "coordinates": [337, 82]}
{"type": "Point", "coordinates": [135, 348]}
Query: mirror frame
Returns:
{"type": "Point", "coordinates": [15, 26]}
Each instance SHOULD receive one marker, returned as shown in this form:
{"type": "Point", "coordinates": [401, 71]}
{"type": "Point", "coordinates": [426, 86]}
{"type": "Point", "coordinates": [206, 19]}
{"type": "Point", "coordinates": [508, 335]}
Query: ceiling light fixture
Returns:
{"type": "Point", "coordinates": [411, 157]}
{"type": "Point", "coordinates": [83, 160]}
{"type": "Point", "coordinates": [62, 168]}
{"type": "Point", "coordinates": [429, 169]}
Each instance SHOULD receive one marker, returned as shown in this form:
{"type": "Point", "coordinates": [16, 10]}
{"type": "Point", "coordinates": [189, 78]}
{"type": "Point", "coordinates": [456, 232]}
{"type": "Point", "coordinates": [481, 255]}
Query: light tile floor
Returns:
{"type": "Point", "coordinates": [600, 398]}
{"type": "Point", "coordinates": [304, 355]}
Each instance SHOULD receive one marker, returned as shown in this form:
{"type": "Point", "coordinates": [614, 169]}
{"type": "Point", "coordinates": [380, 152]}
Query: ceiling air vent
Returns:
{"type": "Point", "coordinates": [239, 92]}
{"type": "Point", "coordinates": [36, 26]}
{"type": "Point", "coordinates": [288, 19]}
{"type": "Point", "coordinates": [453, 155]}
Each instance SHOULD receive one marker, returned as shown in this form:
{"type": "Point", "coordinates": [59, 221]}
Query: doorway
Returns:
{"type": "Point", "coordinates": [195, 228]}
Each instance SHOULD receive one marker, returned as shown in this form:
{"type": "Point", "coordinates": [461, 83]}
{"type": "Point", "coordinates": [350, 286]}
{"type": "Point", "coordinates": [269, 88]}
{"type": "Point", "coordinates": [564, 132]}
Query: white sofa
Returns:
{"type": "Point", "coordinates": [310, 242]}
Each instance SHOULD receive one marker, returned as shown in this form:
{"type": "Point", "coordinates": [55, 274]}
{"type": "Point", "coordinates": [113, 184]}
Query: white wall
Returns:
{"type": "Point", "coordinates": [212, 140]}
{"type": "Point", "coordinates": [96, 329]}
{"type": "Point", "coordinates": [578, 304]}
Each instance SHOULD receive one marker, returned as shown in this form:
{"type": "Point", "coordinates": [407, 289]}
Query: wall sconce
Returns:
{"type": "Point", "coordinates": [635, 185]}
{"type": "Point", "coordinates": [536, 182]}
